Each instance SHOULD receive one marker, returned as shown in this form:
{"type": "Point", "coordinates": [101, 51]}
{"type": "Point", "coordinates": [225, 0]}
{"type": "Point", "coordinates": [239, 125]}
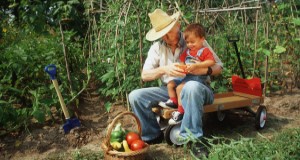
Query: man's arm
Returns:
{"type": "Point", "coordinates": [216, 70]}
{"type": "Point", "coordinates": [152, 74]}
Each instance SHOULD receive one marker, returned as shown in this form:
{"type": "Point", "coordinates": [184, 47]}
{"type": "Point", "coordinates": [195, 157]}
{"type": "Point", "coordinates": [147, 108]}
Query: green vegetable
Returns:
{"type": "Point", "coordinates": [117, 135]}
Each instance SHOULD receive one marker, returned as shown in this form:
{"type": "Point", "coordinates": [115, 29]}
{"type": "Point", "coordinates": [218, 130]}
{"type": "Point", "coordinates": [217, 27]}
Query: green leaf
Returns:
{"type": "Point", "coordinates": [108, 75]}
{"type": "Point", "coordinates": [3, 102]}
{"type": "Point", "coordinates": [296, 21]}
{"type": "Point", "coordinates": [213, 84]}
{"type": "Point", "coordinates": [39, 115]}
{"type": "Point", "coordinates": [279, 49]}
{"type": "Point", "coordinates": [266, 52]}
{"type": "Point", "coordinates": [107, 106]}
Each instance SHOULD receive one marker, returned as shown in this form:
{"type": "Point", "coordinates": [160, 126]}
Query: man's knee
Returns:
{"type": "Point", "coordinates": [134, 95]}
{"type": "Point", "coordinates": [192, 86]}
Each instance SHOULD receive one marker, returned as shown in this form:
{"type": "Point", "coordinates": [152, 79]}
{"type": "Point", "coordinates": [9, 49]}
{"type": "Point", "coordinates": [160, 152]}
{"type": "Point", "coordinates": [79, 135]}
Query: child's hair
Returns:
{"type": "Point", "coordinates": [195, 28]}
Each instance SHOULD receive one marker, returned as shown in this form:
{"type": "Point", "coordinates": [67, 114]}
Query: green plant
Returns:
{"type": "Point", "coordinates": [105, 43]}
{"type": "Point", "coordinates": [24, 84]}
{"type": "Point", "coordinates": [284, 145]}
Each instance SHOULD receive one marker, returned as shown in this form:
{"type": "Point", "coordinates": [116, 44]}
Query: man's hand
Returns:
{"type": "Point", "coordinates": [174, 70]}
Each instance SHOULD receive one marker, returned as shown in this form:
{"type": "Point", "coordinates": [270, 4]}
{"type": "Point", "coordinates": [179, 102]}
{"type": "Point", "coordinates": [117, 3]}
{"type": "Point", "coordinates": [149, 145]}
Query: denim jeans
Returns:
{"type": "Point", "coordinates": [194, 96]}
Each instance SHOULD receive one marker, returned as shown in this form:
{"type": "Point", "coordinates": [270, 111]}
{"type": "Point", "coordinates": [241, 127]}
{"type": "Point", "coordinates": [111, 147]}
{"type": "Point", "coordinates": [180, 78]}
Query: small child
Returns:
{"type": "Point", "coordinates": [195, 56]}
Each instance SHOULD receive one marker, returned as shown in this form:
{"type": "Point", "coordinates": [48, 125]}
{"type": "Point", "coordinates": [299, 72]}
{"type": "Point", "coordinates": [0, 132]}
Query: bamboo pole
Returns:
{"type": "Point", "coordinates": [140, 43]}
{"type": "Point", "coordinates": [227, 9]}
{"type": "Point", "coordinates": [244, 18]}
{"type": "Point", "coordinates": [123, 58]}
{"type": "Point", "coordinates": [185, 20]}
{"type": "Point", "coordinates": [266, 64]}
{"type": "Point", "coordinates": [117, 48]}
{"type": "Point", "coordinates": [65, 56]}
{"type": "Point", "coordinates": [255, 42]}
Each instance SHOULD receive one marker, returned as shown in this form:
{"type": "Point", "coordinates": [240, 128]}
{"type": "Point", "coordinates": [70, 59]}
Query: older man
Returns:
{"type": "Point", "coordinates": [161, 62]}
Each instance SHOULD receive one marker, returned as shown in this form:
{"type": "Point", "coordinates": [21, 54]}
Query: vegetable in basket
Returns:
{"type": "Point", "coordinates": [137, 145]}
{"type": "Point", "coordinates": [126, 147]}
{"type": "Point", "coordinates": [132, 136]}
{"type": "Point", "coordinates": [116, 145]}
{"type": "Point", "coordinates": [117, 135]}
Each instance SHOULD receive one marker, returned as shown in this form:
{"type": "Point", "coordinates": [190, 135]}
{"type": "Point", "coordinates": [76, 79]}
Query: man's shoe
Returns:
{"type": "Point", "coordinates": [156, 140]}
{"type": "Point", "coordinates": [176, 118]}
{"type": "Point", "coordinates": [169, 104]}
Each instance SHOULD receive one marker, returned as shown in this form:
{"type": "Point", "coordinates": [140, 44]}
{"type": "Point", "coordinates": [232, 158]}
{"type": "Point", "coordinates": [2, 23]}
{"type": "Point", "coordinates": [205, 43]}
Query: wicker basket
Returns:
{"type": "Point", "coordinates": [110, 154]}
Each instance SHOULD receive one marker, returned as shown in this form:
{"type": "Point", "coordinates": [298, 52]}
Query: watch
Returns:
{"type": "Point", "coordinates": [209, 71]}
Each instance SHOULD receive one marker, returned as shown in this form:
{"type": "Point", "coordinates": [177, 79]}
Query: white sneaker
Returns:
{"type": "Point", "coordinates": [176, 118]}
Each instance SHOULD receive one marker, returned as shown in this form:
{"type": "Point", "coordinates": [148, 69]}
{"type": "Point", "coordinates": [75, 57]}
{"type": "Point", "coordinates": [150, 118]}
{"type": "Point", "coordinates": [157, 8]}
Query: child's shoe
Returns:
{"type": "Point", "coordinates": [176, 118]}
{"type": "Point", "coordinates": [169, 104]}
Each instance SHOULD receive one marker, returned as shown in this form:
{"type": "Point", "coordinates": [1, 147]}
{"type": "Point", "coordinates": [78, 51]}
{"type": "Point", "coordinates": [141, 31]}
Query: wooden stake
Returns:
{"type": "Point", "coordinates": [227, 9]}
{"type": "Point", "coordinates": [66, 58]}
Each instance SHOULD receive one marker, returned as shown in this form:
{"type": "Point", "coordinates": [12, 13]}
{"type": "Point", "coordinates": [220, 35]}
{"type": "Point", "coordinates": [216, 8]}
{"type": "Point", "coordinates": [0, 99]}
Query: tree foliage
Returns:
{"type": "Point", "coordinates": [103, 43]}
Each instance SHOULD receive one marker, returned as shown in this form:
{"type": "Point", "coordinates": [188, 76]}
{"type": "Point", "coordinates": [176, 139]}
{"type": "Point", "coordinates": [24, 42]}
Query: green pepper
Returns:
{"type": "Point", "coordinates": [117, 135]}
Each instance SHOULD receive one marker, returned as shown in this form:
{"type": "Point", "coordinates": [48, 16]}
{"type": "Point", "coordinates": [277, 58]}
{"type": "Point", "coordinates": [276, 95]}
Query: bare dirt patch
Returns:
{"type": "Point", "coordinates": [48, 141]}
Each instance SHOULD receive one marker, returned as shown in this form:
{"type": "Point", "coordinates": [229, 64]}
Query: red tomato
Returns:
{"type": "Point", "coordinates": [131, 136]}
{"type": "Point", "coordinates": [137, 145]}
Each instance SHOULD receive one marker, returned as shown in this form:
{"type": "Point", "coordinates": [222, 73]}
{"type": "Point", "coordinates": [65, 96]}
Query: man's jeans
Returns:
{"type": "Point", "coordinates": [193, 96]}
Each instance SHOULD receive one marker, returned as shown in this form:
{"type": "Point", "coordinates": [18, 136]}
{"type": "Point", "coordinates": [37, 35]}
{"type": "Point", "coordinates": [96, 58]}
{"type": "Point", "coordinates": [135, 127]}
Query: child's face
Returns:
{"type": "Point", "coordinates": [194, 43]}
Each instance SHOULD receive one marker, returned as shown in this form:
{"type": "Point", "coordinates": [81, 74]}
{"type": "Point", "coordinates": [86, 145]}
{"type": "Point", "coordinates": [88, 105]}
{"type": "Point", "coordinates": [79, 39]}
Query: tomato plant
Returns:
{"type": "Point", "coordinates": [131, 137]}
{"type": "Point", "coordinates": [137, 145]}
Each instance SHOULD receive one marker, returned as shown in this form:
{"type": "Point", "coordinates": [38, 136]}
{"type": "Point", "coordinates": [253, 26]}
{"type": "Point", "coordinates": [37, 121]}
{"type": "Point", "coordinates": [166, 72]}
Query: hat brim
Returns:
{"type": "Point", "coordinates": [152, 35]}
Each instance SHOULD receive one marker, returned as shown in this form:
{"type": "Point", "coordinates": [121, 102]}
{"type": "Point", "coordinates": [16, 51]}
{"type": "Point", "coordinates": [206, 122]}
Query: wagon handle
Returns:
{"type": "Point", "coordinates": [234, 39]}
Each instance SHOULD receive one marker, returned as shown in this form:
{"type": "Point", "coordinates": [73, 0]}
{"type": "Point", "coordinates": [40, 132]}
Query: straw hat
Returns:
{"type": "Point", "coordinates": [162, 23]}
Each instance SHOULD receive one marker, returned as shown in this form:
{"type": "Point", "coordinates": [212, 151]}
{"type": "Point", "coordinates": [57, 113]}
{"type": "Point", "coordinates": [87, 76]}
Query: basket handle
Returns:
{"type": "Point", "coordinates": [115, 120]}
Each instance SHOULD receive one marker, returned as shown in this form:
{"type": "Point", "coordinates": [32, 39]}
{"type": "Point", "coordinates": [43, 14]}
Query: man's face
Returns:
{"type": "Point", "coordinates": [172, 37]}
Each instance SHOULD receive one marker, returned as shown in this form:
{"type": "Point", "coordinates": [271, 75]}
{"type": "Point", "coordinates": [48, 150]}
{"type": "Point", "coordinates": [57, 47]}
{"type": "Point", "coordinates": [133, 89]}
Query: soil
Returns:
{"type": "Point", "coordinates": [48, 141]}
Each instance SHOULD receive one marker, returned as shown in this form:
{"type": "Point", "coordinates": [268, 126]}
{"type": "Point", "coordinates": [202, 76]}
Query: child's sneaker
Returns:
{"type": "Point", "coordinates": [169, 104]}
{"type": "Point", "coordinates": [176, 118]}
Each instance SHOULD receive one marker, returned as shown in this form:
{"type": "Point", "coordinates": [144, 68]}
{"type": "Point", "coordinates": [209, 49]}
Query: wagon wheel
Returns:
{"type": "Point", "coordinates": [261, 117]}
{"type": "Point", "coordinates": [221, 115]}
{"type": "Point", "coordinates": [172, 134]}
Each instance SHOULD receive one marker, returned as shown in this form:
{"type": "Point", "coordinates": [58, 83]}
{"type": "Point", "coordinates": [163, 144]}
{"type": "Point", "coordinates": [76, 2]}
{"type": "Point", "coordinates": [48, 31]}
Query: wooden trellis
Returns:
{"type": "Point", "coordinates": [235, 10]}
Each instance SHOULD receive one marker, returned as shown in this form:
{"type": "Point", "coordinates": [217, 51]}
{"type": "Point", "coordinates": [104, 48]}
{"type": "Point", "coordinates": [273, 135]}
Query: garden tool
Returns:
{"type": "Point", "coordinates": [70, 122]}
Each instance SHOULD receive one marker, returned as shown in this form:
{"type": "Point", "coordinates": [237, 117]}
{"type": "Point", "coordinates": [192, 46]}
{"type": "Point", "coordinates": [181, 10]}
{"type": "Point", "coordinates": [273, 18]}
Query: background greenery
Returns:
{"type": "Point", "coordinates": [101, 45]}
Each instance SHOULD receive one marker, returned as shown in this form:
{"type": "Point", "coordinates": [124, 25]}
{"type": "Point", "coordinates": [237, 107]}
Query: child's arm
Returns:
{"type": "Point", "coordinates": [204, 64]}
{"type": "Point", "coordinates": [198, 64]}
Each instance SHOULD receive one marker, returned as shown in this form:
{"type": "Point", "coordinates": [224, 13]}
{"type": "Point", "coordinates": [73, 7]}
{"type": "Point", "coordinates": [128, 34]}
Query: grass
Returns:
{"type": "Point", "coordinates": [284, 145]}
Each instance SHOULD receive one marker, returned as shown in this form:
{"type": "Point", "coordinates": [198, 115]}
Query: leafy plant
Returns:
{"type": "Point", "coordinates": [284, 145]}
{"type": "Point", "coordinates": [104, 44]}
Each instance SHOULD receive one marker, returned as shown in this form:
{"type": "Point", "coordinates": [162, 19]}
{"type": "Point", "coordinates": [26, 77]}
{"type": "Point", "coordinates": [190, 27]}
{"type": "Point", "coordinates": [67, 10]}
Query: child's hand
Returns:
{"type": "Point", "coordinates": [191, 67]}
